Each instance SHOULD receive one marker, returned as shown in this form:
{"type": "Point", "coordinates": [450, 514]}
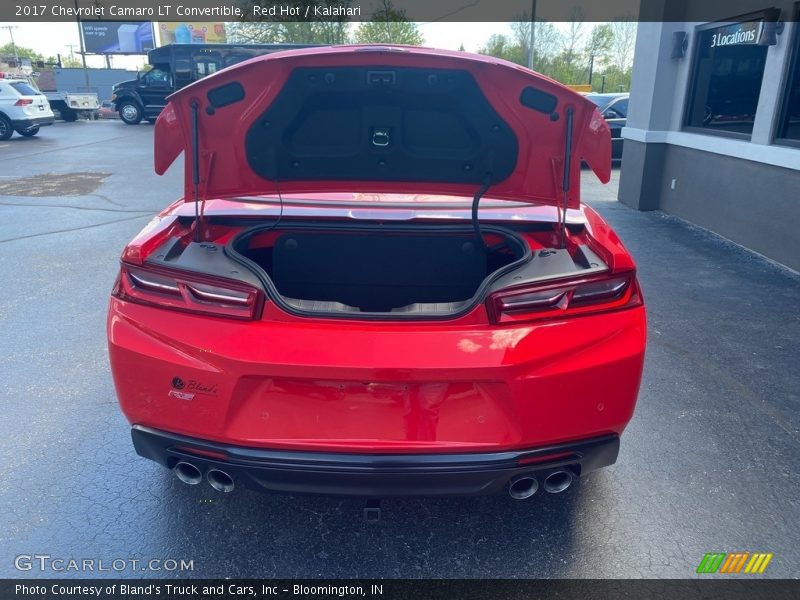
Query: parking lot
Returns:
{"type": "Point", "coordinates": [710, 462]}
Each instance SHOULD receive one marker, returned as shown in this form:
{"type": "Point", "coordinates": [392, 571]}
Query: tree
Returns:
{"type": "Point", "coordinates": [389, 25]}
{"type": "Point", "coordinates": [566, 57]}
{"type": "Point", "coordinates": [8, 51]}
{"type": "Point", "coordinates": [623, 41]}
{"type": "Point", "coordinates": [288, 32]}
{"type": "Point", "coordinates": [600, 42]}
{"type": "Point", "coordinates": [285, 30]}
{"type": "Point", "coordinates": [599, 47]}
{"type": "Point", "coordinates": [572, 41]}
{"type": "Point", "coordinates": [503, 46]}
{"type": "Point", "coordinates": [515, 47]}
{"type": "Point", "coordinates": [547, 39]}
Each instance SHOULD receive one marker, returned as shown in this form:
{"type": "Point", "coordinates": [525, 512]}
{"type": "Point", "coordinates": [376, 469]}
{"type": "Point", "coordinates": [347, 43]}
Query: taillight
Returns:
{"type": "Point", "coordinates": [566, 298]}
{"type": "Point", "coordinates": [23, 102]}
{"type": "Point", "coordinates": [190, 292]}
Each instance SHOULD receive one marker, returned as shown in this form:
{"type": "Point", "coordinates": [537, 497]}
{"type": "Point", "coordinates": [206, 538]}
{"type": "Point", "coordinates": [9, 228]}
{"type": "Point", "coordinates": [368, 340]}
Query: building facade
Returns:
{"type": "Point", "coordinates": [713, 130]}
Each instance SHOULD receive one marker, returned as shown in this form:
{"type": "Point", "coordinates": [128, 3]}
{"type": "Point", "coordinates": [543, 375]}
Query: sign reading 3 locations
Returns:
{"type": "Point", "coordinates": [737, 34]}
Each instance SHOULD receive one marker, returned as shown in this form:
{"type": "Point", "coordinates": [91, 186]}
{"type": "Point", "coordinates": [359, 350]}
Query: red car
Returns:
{"type": "Point", "coordinates": [380, 281]}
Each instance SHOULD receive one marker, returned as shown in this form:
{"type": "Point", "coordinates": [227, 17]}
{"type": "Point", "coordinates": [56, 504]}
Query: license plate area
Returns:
{"type": "Point", "coordinates": [319, 411]}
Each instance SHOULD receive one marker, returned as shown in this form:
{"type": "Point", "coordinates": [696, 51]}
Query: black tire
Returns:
{"type": "Point", "coordinates": [29, 132]}
{"type": "Point", "coordinates": [6, 130]}
{"type": "Point", "coordinates": [69, 116]}
{"type": "Point", "coordinates": [130, 112]}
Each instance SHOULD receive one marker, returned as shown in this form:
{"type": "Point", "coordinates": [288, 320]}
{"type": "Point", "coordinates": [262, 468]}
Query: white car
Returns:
{"type": "Point", "coordinates": [23, 109]}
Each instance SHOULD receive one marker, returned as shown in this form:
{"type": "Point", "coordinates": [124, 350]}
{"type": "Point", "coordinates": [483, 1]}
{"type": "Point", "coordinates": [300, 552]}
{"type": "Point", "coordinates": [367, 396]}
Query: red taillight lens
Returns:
{"type": "Point", "coordinates": [23, 102]}
{"type": "Point", "coordinates": [189, 292]}
{"type": "Point", "coordinates": [556, 300]}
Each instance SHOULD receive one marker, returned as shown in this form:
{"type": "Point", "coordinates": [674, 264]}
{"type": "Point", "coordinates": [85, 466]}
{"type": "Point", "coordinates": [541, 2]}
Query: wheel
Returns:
{"type": "Point", "coordinates": [6, 131]}
{"type": "Point", "coordinates": [69, 115]}
{"type": "Point", "coordinates": [29, 132]}
{"type": "Point", "coordinates": [130, 112]}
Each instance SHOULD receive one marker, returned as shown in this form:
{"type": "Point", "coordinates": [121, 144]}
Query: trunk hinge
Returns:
{"type": "Point", "coordinates": [562, 212]}
{"type": "Point", "coordinates": [196, 171]}
{"type": "Point", "coordinates": [476, 225]}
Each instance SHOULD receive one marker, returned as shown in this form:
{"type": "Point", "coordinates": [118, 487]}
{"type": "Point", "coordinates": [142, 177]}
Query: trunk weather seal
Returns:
{"type": "Point", "coordinates": [274, 295]}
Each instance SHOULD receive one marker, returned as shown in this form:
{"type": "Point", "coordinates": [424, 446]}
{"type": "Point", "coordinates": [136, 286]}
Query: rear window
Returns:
{"type": "Point", "coordinates": [621, 107]}
{"type": "Point", "coordinates": [600, 101]}
{"type": "Point", "coordinates": [24, 89]}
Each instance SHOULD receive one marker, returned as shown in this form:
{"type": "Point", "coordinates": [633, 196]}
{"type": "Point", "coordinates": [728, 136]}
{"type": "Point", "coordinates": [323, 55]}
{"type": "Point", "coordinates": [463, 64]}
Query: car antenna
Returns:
{"type": "Point", "coordinates": [487, 182]}
{"type": "Point", "coordinates": [562, 213]}
{"type": "Point", "coordinates": [196, 171]}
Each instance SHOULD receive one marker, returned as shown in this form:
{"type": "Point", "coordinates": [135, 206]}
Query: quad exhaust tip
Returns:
{"type": "Point", "coordinates": [188, 473]}
{"type": "Point", "coordinates": [220, 480]}
{"type": "Point", "coordinates": [558, 481]}
{"type": "Point", "coordinates": [522, 487]}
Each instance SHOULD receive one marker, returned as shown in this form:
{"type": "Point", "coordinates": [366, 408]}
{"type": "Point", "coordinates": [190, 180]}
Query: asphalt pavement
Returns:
{"type": "Point", "coordinates": [709, 463]}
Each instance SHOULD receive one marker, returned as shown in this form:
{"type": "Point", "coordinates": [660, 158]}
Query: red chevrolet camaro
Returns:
{"type": "Point", "coordinates": [380, 281]}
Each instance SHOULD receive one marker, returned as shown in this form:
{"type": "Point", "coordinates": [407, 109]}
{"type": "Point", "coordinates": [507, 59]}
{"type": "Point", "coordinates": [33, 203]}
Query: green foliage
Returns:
{"type": "Point", "coordinates": [565, 55]}
{"type": "Point", "coordinates": [22, 52]}
{"type": "Point", "coordinates": [335, 30]}
{"type": "Point", "coordinates": [7, 50]}
{"type": "Point", "coordinates": [70, 61]}
{"type": "Point", "coordinates": [288, 32]}
{"type": "Point", "coordinates": [600, 42]}
{"type": "Point", "coordinates": [389, 25]}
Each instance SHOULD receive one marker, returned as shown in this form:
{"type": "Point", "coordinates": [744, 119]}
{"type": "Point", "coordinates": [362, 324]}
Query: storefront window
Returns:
{"type": "Point", "coordinates": [789, 126]}
{"type": "Point", "coordinates": [726, 78]}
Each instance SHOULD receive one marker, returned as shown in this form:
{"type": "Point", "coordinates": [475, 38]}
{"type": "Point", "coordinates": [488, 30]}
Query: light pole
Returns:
{"type": "Point", "coordinates": [11, 29]}
{"type": "Point", "coordinates": [83, 50]}
{"type": "Point", "coordinates": [71, 52]}
{"type": "Point", "coordinates": [533, 34]}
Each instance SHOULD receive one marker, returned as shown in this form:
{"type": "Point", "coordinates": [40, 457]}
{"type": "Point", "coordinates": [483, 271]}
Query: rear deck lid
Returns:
{"type": "Point", "coordinates": [382, 119]}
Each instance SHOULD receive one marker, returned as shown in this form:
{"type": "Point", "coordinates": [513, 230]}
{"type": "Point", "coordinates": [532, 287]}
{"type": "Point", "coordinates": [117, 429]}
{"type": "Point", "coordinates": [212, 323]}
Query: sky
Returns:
{"type": "Point", "coordinates": [54, 38]}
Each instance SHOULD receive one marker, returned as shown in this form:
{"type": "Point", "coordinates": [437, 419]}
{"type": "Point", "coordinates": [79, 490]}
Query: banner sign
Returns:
{"type": "Point", "coordinates": [115, 37]}
{"type": "Point", "coordinates": [191, 32]}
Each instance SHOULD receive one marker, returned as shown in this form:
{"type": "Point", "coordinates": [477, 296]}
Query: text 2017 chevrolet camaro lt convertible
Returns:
{"type": "Point", "coordinates": [380, 281]}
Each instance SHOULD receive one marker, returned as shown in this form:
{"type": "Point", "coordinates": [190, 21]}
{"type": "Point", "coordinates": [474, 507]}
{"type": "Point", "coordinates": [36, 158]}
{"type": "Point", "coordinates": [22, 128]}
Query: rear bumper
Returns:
{"type": "Point", "coordinates": [26, 124]}
{"type": "Point", "coordinates": [311, 386]}
{"type": "Point", "coordinates": [373, 475]}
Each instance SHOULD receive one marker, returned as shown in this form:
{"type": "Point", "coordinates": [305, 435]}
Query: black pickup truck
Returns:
{"type": "Point", "coordinates": [175, 66]}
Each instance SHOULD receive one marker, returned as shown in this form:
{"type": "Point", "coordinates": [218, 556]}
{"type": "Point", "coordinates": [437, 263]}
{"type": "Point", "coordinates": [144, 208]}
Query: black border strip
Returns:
{"type": "Point", "coordinates": [729, 588]}
{"type": "Point", "coordinates": [421, 11]}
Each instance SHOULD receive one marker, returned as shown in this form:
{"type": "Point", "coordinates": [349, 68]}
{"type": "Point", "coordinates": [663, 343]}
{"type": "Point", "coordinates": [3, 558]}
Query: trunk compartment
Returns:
{"type": "Point", "coordinates": [379, 269]}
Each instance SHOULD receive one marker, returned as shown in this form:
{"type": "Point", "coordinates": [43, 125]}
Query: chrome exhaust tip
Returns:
{"type": "Point", "coordinates": [522, 487]}
{"type": "Point", "coordinates": [558, 481]}
{"type": "Point", "coordinates": [220, 480]}
{"type": "Point", "coordinates": [188, 473]}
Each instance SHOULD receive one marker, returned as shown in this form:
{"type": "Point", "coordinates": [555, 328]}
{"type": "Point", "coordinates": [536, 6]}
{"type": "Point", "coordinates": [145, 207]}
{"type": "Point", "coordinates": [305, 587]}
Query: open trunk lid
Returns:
{"type": "Point", "coordinates": [382, 119]}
